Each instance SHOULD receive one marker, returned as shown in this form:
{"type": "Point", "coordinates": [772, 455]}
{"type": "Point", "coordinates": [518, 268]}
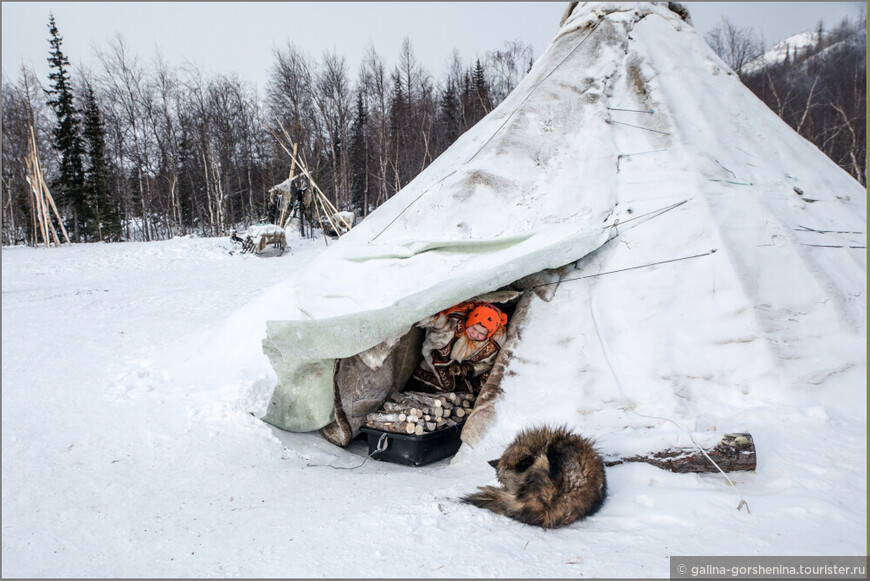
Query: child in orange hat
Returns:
{"type": "Point", "coordinates": [461, 346]}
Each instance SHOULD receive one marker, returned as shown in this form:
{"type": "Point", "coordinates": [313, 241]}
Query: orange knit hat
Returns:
{"type": "Point", "coordinates": [487, 315]}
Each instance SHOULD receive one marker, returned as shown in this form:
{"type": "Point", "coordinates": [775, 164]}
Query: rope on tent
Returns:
{"type": "Point", "coordinates": [733, 175]}
{"type": "Point", "coordinates": [636, 126]}
{"type": "Point", "coordinates": [713, 251]}
{"type": "Point", "coordinates": [629, 155]}
{"type": "Point", "coordinates": [605, 350]}
{"type": "Point", "coordinates": [831, 246]}
{"type": "Point", "coordinates": [496, 132]}
{"type": "Point", "coordinates": [649, 215]}
{"type": "Point", "coordinates": [649, 111]}
{"type": "Point", "coordinates": [729, 182]}
{"type": "Point", "coordinates": [742, 502]}
{"type": "Point", "coordinates": [535, 88]}
{"type": "Point", "coordinates": [805, 229]}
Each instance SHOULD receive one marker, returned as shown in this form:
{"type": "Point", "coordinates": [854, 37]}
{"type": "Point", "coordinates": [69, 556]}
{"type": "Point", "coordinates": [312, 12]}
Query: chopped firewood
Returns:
{"type": "Point", "coordinates": [734, 452]}
{"type": "Point", "coordinates": [400, 427]}
{"type": "Point", "coordinates": [425, 399]}
{"type": "Point", "coordinates": [418, 413]}
{"type": "Point", "coordinates": [385, 417]}
{"type": "Point", "coordinates": [408, 400]}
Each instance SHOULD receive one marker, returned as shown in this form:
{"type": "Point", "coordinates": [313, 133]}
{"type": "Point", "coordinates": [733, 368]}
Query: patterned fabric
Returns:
{"type": "Point", "coordinates": [447, 350]}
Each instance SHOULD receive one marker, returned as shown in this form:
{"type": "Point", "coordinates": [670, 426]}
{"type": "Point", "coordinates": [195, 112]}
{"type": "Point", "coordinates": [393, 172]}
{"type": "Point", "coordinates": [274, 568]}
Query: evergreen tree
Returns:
{"type": "Point", "coordinates": [105, 221]}
{"type": "Point", "coordinates": [820, 35]}
{"type": "Point", "coordinates": [398, 134]}
{"type": "Point", "coordinates": [70, 184]}
{"type": "Point", "coordinates": [449, 115]}
{"type": "Point", "coordinates": [467, 101]}
{"type": "Point", "coordinates": [359, 155]}
{"type": "Point", "coordinates": [481, 92]}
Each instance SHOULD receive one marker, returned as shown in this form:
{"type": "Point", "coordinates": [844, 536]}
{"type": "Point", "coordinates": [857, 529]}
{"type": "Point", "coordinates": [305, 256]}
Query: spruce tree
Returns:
{"type": "Point", "coordinates": [398, 135]}
{"type": "Point", "coordinates": [359, 154]}
{"type": "Point", "coordinates": [105, 221]}
{"type": "Point", "coordinates": [467, 101]}
{"type": "Point", "coordinates": [70, 184]}
{"type": "Point", "coordinates": [483, 103]}
{"type": "Point", "coordinates": [449, 114]}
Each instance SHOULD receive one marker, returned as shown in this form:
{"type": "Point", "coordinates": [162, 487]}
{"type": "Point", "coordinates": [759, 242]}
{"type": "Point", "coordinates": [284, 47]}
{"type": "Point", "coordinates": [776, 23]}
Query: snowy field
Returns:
{"type": "Point", "coordinates": [134, 377]}
{"type": "Point", "coordinates": [129, 453]}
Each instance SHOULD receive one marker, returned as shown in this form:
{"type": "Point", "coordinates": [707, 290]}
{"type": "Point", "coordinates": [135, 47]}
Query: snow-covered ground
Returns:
{"type": "Point", "coordinates": [115, 464]}
{"type": "Point", "coordinates": [133, 374]}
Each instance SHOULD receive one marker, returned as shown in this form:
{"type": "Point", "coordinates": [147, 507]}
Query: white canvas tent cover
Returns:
{"type": "Point", "coordinates": [627, 111]}
{"type": "Point", "coordinates": [360, 296]}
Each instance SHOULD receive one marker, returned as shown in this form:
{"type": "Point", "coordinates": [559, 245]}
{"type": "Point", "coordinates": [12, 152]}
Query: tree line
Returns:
{"type": "Point", "coordinates": [819, 89]}
{"type": "Point", "coordinates": [146, 150]}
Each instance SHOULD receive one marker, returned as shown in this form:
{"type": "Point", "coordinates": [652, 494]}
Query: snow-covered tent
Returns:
{"type": "Point", "coordinates": [629, 144]}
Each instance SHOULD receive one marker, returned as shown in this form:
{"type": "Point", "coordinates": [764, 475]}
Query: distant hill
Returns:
{"type": "Point", "coordinates": [816, 82]}
{"type": "Point", "coordinates": [804, 46]}
{"type": "Point", "coordinates": [789, 48]}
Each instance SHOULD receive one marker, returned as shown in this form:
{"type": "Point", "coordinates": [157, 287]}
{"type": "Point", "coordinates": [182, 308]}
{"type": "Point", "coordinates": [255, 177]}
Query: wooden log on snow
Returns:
{"type": "Point", "coordinates": [733, 453]}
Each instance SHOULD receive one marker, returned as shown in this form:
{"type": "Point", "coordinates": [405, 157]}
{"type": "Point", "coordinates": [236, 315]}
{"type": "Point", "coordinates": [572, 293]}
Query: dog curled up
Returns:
{"type": "Point", "coordinates": [550, 477]}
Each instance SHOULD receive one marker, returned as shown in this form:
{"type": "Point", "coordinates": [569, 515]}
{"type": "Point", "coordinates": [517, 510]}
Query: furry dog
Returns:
{"type": "Point", "coordinates": [550, 477]}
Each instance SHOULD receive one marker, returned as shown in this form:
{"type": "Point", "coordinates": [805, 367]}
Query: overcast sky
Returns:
{"type": "Point", "coordinates": [225, 37]}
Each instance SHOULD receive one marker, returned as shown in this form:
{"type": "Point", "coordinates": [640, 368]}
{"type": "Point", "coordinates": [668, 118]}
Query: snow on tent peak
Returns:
{"type": "Point", "coordinates": [627, 113]}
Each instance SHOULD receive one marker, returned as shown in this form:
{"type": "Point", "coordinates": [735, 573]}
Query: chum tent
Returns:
{"type": "Point", "coordinates": [630, 199]}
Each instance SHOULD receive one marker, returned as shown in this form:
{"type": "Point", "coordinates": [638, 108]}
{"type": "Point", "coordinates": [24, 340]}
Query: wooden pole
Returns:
{"type": "Point", "coordinates": [329, 208]}
{"type": "Point", "coordinates": [287, 196]}
{"type": "Point", "coordinates": [302, 167]}
{"type": "Point", "coordinates": [36, 191]}
{"type": "Point", "coordinates": [43, 192]}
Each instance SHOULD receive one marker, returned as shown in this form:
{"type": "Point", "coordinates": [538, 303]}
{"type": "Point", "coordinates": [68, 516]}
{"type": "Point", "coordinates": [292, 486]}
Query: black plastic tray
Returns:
{"type": "Point", "coordinates": [413, 450]}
